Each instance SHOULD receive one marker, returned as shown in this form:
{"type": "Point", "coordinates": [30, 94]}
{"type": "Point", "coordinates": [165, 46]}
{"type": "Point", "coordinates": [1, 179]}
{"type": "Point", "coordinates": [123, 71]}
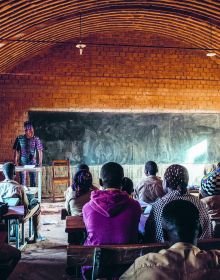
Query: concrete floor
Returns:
{"type": "Point", "coordinates": [47, 259]}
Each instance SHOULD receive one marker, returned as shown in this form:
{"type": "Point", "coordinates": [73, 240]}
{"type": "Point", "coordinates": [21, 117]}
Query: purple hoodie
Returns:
{"type": "Point", "coordinates": [111, 217]}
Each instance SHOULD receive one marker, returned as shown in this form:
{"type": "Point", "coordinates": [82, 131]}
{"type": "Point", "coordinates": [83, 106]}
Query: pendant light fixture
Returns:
{"type": "Point", "coordinates": [80, 45]}
{"type": "Point", "coordinates": [211, 52]}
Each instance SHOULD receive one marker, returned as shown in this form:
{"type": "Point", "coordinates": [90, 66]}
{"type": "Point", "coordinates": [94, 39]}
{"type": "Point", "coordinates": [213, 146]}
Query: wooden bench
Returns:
{"type": "Point", "coordinates": [113, 260]}
{"type": "Point", "coordinates": [106, 260]}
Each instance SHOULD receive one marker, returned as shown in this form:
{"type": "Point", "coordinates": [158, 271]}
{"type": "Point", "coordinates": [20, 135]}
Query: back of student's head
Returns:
{"type": "Point", "coordinates": [151, 168]}
{"type": "Point", "coordinates": [127, 185]}
{"type": "Point", "coordinates": [82, 166]}
{"type": "Point", "coordinates": [82, 182]}
{"type": "Point", "coordinates": [180, 221]}
{"type": "Point", "coordinates": [111, 175]}
{"type": "Point", "coordinates": [8, 169]}
{"type": "Point", "coordinates": [176, 177]}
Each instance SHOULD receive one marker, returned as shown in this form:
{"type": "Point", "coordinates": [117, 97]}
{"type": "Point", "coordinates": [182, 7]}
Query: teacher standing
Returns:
{"type": "Point", "coordinates": [26, 148]}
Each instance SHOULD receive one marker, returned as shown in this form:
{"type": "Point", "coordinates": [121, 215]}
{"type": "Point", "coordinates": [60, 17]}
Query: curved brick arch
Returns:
{"type": "Point", "coordinates": [58, 21]}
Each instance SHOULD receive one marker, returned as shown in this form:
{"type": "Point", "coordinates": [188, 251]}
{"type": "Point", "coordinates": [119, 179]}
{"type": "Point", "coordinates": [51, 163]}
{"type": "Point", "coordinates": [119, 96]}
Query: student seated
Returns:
{"type": "Point", "coordinates": [10, 188]}
{"type": "Point", "coordinates": [127, 186]}
{"type": "Point", "coordinates": [79, 193]}
{"type": "Point", "coordinates": [210, 184]}
{"type": "Point", "coordinates": [82, 166]}
{"type": "Point", "coordinates": [183, 260]}
{"type": "Point", "coordinates": [210, 194]}
{"type": "Point", "coordinates": [111, 216]}
{"type": "Point", "coordinates": [149, 189]}
{"type": "Point", "coordinates": [175, 183]}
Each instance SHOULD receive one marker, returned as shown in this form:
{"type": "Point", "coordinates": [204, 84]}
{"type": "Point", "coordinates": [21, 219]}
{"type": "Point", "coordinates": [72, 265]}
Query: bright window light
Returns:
{"type": "Point", "coordinates": [196, 151]}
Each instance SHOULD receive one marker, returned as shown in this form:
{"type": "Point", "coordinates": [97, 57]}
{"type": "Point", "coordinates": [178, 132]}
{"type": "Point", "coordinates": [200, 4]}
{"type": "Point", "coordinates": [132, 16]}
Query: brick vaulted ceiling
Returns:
{"type": "Point", "coordinates": [29, 27]}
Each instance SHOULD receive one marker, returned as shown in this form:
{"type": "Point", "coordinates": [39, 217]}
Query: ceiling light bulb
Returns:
{"type": "Point", "coordinates": [80, 46]}
{"type": "Point", "coordinates": [211, 54]}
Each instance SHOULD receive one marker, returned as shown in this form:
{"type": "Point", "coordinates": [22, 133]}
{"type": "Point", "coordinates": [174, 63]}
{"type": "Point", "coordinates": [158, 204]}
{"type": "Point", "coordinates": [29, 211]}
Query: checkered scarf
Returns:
{"type": "Point", "coordinates": [210, 184]}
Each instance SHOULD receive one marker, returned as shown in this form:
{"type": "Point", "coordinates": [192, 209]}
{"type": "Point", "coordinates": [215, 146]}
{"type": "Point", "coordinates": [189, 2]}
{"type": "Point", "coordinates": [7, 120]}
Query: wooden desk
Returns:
{"type": "Point", "coordinates": [194, 192]}
{"type": "Point", "coordinates": [74, 223]}
{"type": "Point", "coordinates": [109, 260]}
{"type": "Point", "coordinates": [15, 214]}
{"type": "Point", "coordinates": [38, 170]}
{"type": "Point", "coordinates": [76, 230]}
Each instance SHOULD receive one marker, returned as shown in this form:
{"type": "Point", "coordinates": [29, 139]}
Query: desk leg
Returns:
{"type": "Point", "coordinates": [39, 177]}
{"type": "Point", "coordinates": [31, 233]}
{"type": "Point", "coordinates": [9, 227]}
{"type": "Point", "coordinates": [17, 234]}
{"type": "Point", "coordinates": [22, 234]}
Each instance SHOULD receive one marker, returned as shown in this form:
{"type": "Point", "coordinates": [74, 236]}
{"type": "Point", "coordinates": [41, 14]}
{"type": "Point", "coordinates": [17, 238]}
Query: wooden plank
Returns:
{"type": "Point", "coordinates": [209, 244]}
{"type": "Point", "coordinates": [124, 254]}
{"type": "Point", "coordinates": [74, 224]}
{"type": "Point", "coordinates": [114, 254]}
{"type": "Point", "coordinates": [14, 212]}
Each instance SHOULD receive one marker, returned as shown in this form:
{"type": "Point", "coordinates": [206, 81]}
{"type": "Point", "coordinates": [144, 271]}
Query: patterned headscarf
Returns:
{"type": "Point", "coordinates": [82, 182]}
{"type": "Point", "coordinates": [210, 184]}
{"type": "Point", "coordinates": [176, 176]}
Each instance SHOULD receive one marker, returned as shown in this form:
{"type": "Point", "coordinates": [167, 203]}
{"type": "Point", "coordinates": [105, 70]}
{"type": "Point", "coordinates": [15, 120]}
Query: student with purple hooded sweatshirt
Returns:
{"type": "Point", "coordinates": [111, 216]}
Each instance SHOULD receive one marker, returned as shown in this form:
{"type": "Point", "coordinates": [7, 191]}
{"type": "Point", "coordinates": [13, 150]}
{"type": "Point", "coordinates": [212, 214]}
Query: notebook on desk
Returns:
{"type": "Point", "coordinates": [12, 201]}
{"type": "Point", "coordinates": [27, 166]}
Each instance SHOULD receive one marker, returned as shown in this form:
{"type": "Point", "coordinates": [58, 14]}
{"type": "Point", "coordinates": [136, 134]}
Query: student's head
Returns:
{"type": "Point", "coordinates": [111, 175]}
{"type": "Point", "coordinates": [82, 182]}
{"type": "Point", "coordinates": [127, 185]}
{"type": "Point", "coordinates": [151, 168]}
{"type": "Point", "coordinates": [180, 222]}
{"type": "Point", "coordinates": [28, 129]}
{"type": "Point", "coordinates": [176, 177]}
{"type": "Point", "coordinates": [82, 166]}
{"type": "Point", "coordinates": [8, 169]}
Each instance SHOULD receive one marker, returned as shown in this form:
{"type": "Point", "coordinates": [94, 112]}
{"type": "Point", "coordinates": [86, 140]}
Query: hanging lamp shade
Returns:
{"type": "Point", "coordinates": [81, 46]}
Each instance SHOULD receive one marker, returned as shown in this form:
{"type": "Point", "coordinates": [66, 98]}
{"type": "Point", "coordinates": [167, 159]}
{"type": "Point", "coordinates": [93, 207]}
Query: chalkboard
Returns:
{"type": "Point", "coordinates": [128, 138]}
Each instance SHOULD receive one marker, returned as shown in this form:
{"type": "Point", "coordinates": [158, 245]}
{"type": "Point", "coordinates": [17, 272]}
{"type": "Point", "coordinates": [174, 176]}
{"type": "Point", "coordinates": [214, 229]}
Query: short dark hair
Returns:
{"type": "Point", "coordinates": [183, 216]}
{"type": "Point", "coordinates": [151, 167]}
{"type": "Point", "coordinates": [127, 185]}
{"type": "Point", "coordinates": [28, 125]}
{"type": "Point", "coordinates": [82, 166]}
{"type": "Point", "coordinates": [111, 175]}
{"type": "Point", "coordinates": [8, 169]}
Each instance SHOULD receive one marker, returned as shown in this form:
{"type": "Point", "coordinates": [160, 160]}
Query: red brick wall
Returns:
{"type": "Point", "coordinates": [108, 77]}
